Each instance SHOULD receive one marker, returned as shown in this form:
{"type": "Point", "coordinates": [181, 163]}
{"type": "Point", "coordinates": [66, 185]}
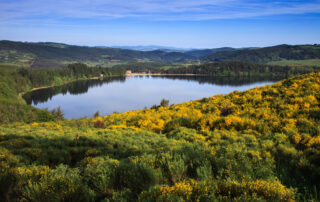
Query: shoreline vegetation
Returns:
{"type": "Point", "coordinates": [21, 94]}
{"type": "Point", "coordinates": [16, 82]}
{"type": "Point", "coordinates": [162, 74]}
{"type": "Point", "coordinates": [97, 78]}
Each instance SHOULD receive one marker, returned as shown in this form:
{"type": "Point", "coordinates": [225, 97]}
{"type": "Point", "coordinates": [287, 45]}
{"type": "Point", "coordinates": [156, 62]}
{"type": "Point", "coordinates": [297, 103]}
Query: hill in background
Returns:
{"type": "Point", "coordinates": [274, 54]}
{"type": "Point", "coordinates": [50, 55]}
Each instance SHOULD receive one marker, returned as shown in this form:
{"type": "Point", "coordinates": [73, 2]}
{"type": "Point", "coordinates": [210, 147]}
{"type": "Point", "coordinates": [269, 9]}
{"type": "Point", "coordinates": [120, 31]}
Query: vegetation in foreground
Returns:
{"type": "Point", "coordinates": [257, 145]}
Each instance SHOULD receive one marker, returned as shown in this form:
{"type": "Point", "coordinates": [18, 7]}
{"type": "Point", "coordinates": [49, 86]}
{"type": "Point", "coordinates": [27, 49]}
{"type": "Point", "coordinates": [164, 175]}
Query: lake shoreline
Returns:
{"type": "Point", "coordinates": [159, 74]}
{"type": "Point", "coordinates": [96, 78]}
{"type": "Point", "coordinates": [44, 87]}
{"type": "Point", "coordinates": [122, 94]}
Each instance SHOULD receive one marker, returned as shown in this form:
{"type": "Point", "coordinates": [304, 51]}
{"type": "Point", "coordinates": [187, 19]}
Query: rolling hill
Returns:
{"type": "Point", "coordinates": [268, 54]}
{"type": "Point", "coordinates": [48, 55]}
{"type": "Point", "coordinates": [205, 52]}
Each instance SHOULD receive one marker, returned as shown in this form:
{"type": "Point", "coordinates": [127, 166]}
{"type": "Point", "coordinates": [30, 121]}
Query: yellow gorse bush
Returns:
{"type": "Point", "coordinates": [250, 145]}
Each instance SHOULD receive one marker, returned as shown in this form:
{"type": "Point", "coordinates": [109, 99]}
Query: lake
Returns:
{"type": "Point", "coordinates": [84, 98]}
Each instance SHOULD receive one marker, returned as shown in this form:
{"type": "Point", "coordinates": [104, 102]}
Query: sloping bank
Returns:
{"type": "Point", "coordinates": [15, 82]}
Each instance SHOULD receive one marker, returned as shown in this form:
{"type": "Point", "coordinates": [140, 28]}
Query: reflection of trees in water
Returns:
{"type": "Point", "coordinates": [74, 88]}
{"type": "Point", "coordinates": [230, 81]}
{"type": "Point", "coordinates": [80, 87]}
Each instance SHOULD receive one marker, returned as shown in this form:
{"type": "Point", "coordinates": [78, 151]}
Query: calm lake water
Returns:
{"type": "Point", "coordinates": [84, 98]}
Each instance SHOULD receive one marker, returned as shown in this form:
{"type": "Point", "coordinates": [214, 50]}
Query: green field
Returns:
{"type": "Point", "coordinates": [12, 57]}
{"type": "Point", "coordinates": [310, 62]}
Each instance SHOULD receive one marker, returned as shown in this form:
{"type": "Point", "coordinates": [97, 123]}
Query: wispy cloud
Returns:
{"type": "Point", "coordinates": [27, 10]}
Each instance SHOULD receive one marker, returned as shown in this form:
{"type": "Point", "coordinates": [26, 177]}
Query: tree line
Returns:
{"type": "Point", "coordinates": [241, 69]}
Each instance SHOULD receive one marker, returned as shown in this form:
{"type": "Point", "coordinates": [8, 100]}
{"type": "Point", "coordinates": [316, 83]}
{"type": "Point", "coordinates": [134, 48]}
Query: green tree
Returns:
{"type": "Point", "coordinates": [164, 103]}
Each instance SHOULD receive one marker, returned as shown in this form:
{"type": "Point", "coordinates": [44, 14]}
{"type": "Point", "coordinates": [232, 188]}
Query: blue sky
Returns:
{"type": "Point", "coordinates": [179, 23]}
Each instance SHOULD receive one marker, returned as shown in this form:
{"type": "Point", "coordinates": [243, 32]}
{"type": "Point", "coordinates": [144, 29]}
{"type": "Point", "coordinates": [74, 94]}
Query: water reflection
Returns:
{"type": "Point", "coordinates": [73, 88]}
{"type": "Point", "coordinates": [229, 81]}
{"type": "Point", "coordinates": [84, 98]}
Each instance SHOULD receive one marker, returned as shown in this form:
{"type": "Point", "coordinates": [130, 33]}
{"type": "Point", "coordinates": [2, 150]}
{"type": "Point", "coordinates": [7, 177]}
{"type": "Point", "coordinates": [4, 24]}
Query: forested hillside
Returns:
{"type": "Point", "coordinates": [44, 55]}
{"type": "Point", "coordinates": [240, 69]}
{"type": "Point", "coordinates": [14, 82]}
{"type": "Point", "coordinates": [268, 54]}
{"type": "Point", "coordinates": [257, 145]}
{"type": "Point", "coordinates": [205, 52]}
{"type": "Point", "coordinates": [146, 66]}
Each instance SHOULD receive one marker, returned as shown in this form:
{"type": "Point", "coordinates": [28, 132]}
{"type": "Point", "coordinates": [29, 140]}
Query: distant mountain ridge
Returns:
{"type": "Point", "coordinates": [50, 54]}
{"type": "Point", "coordinates": [150, 48]}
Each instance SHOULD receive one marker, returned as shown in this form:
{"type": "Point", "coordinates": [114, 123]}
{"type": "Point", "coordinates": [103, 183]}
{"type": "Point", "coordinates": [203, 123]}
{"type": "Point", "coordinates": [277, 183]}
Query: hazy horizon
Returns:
{"type": "Point", "coordinates": [152, 45]}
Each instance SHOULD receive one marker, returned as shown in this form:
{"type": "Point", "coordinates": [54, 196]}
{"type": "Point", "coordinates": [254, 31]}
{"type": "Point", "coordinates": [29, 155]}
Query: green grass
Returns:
{"type": "Point", "coordinates": [310, 62]}
{"type": "Point", "coordinates": [14, 58]}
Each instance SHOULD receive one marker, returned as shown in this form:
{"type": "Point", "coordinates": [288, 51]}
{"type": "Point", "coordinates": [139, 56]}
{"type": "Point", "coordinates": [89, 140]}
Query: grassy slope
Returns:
{"type": "Point", "coordinates": [244, 145]}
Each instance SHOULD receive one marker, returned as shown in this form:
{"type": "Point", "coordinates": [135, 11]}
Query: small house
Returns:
{"type": "Point", "coordinates": [128, 72]}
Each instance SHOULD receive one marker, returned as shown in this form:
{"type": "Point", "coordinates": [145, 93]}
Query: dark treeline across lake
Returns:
{"type": "Point", "coordinates": [73, 88]}
{"type": "Point", "coordinates": [119, 94]}
{"type": "Point", "coordinates": [229, 81]}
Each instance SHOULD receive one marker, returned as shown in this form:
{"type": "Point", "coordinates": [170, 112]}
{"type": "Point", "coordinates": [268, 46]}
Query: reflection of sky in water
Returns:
{"type": "Point", "coordinates": [136, 93]}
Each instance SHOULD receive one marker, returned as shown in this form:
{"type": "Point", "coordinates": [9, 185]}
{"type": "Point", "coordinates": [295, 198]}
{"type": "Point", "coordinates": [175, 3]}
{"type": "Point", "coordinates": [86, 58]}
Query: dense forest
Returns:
{"type": "Point", "coordinates": [204, 52]}
{"type": "Point", "coordinates": [14, 82]}
{"type": "Point", "coordinates": [143, 66]}
{"type": "Point", "coordinates": [256, 145]}
{"type": "Point", "coordinates": [239, 69]}
{"type": "Point", "coordinates": [265, 55]}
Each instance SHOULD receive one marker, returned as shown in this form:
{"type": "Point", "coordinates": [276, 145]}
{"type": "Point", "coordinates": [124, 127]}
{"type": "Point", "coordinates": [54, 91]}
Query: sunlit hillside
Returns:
{"type": "Point", "coordinates": [258, 145]}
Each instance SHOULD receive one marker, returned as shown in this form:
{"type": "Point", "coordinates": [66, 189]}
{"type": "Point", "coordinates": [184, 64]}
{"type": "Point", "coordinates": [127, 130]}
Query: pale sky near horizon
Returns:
{"type": "Point", "coordinates": [178, 23]}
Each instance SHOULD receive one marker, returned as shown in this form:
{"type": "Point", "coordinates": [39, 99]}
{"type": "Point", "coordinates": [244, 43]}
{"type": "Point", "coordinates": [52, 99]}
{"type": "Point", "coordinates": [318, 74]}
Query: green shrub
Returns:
{"type": "Point", "coordinates": [99, 175]}
{"type": "Point", "coordinates": [178, 122]}
{"type": "Point", "coordinates": [134, 176]}
{"type": "Point", "coordinates": [60, 184]}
